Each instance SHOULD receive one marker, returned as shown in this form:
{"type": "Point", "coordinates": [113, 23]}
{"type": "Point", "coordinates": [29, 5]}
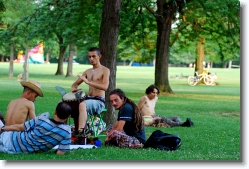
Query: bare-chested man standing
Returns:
{"type": "Point", "coordinates": [147, 107]}
{"type": "Point", "coordinates": [19, 110]}
{"type": "Point", "coordinates": [97, 78]}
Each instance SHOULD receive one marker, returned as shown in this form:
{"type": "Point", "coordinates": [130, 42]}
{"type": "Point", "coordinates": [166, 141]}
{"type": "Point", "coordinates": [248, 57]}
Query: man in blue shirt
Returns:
{"type": "Point", "coordinates": [128, 131]}
{"type": "Point", "coordinates": [38, 134]}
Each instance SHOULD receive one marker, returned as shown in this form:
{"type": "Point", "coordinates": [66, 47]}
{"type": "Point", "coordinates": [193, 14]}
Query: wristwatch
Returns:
{"type": "Point", "coordinates": [2, 129]}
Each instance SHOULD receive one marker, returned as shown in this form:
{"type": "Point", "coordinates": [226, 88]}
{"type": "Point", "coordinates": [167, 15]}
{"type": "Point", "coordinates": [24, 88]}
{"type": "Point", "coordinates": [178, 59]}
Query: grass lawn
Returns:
{"type": "Point", "coordinates": [215, 111]}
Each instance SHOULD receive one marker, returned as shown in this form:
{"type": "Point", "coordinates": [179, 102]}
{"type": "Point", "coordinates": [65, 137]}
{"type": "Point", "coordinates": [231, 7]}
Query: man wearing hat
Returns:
{"type": "Point", "coordinates": [19, 110]}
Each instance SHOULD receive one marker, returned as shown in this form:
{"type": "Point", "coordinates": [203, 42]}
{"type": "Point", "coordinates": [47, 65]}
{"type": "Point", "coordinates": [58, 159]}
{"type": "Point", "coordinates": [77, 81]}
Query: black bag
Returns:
{"type": "Point", "coordinates": [163, 141]}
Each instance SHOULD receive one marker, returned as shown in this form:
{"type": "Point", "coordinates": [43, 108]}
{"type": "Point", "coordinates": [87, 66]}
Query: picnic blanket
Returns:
{"type": "Point", "coordinates": [79, 146]}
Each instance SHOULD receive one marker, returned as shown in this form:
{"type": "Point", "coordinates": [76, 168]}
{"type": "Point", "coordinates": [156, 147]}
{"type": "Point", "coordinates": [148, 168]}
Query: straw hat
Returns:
{"type": "Point", "coordinates": [34, 85]}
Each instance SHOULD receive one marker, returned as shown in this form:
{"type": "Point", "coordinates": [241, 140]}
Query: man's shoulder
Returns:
{"type": "Point", "coordinates": [20, 102]}
{"type": "Point", "coordinates": [105, 68]}
{"type": "Point", "coordinates": [145, 97]}
{"type": "Point", "coordinates": [128, 106]}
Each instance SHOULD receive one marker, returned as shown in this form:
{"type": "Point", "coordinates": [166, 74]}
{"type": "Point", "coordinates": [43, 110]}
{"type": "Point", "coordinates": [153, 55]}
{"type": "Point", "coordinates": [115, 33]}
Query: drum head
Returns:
{"type": "Point", "coordinates": [71, 96]}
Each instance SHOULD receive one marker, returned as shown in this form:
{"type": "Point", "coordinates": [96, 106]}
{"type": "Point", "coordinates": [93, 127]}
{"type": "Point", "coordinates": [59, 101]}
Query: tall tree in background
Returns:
{"type": "Point", "coordinates": [214, 21]}
{"type": "Point", "coordinates": [222, 25]}
{"type": "Point", "coordinates": [11, 18]}
{"type": "Point", "coordinates": [165, 14]}
{"type": "Point", "coordinates": [108, 43]}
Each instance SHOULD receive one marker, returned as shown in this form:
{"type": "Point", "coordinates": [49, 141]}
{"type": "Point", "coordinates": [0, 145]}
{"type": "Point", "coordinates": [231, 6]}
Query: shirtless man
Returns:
{"type": "Point", "coordinates": [19, 110]}
{"type": "Point", "coordinates": [97, 78]}
{"type": "Point", "coordinates": [147, 107]}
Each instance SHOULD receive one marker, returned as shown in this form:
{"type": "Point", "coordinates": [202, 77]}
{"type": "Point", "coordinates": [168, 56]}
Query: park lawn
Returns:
{"type": "Point", "coordinates": [215, 111]}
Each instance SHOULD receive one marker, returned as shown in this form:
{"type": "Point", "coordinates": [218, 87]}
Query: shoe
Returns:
{"type": "Point", "coordinates": [188, 123]}
{"type": "Point", "coordinates": [80, 133]}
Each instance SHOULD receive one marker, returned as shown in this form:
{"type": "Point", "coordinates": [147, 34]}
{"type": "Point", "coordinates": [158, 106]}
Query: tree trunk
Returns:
{"type": "Point", "coordinates": [224, 64]}
{"type": "Point", "coordinates": [230, 64]}
{"type": "Point", "coordinates": [162, 46]}
{"type": "Point", "coordinates": [25, 76]}
{"type": "Point", "coordinates": [200, 55]}
{"type": "Point", "coordinates": [11, 68]}
{"type": "Point", "coordinates": [47, 56]}
{"type": "Point", "coordinates": [63, 49]}
{"type": "Point", "coordinates": [70, 60]}
{"type": "Point", "coordinates": [109, 30]}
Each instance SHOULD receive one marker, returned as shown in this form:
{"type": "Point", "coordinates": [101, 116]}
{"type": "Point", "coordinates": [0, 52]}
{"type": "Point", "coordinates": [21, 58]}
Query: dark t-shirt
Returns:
{"type": "Point", "coordinates": [127, 114]}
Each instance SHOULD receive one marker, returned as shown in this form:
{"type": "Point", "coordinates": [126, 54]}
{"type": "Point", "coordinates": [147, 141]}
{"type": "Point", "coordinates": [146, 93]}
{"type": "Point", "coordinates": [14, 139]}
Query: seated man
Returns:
{"type": "Point", "coordinates": [147, 107]}
{"type": "Point", "coordinates": [129, 130]}
{"type": "Point", "coordinates": [38, 134]}
{"type": "Point", "coordinates": [97, 78]}
{"type": "Point", "coordinates": [19, 110]}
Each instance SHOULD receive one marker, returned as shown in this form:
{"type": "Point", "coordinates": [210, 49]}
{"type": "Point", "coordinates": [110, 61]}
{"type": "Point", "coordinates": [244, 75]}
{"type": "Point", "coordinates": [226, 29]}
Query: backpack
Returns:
{"type": "Point", "coordinates": [163, 141]}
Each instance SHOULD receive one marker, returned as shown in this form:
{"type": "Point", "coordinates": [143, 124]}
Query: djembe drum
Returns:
{"type": "Point", "coordinates": [74, 102]}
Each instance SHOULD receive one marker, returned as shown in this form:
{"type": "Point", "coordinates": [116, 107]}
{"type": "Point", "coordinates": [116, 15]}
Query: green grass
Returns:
{"type": "Point", "coordinates": [215, 111]}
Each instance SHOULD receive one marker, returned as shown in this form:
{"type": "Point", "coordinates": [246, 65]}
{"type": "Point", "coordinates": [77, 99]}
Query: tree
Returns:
{"type": "Point", "coordinates": [72, 51]}
{"type": "Point", "coordinates": [209, 19]}
{"type": "Point", "coordinates": [109, 30]}
{"type": "Point", "coordinates": [11, 18]}
{"type": "Point", "coordinates": [164, 15]}
{"type": "Point", "coordinates": [213, 21]}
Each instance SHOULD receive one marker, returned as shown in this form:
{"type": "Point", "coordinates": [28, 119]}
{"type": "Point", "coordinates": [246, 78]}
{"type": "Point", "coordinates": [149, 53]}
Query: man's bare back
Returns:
{"type": "Point", "coordinates": [19, 110]}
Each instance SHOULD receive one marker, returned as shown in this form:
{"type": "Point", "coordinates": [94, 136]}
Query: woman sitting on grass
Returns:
{"type": "Point", "coordinates": [147, 107]}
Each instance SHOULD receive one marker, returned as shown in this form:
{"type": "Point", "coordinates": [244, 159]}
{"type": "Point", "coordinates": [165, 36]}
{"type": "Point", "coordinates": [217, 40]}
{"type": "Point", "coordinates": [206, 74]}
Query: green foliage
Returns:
{"type": "Point", "coordinates": [137, 36]}
{"type": "Point", "coordinates": [217, 21]}
{"type": "Point", "coordinates": [215, 110]}
{"type": "Point", "coordinates": [46, 19]}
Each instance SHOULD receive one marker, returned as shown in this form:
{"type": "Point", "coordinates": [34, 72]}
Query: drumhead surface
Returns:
{"type": "Point", "coordinates": [71, 96]}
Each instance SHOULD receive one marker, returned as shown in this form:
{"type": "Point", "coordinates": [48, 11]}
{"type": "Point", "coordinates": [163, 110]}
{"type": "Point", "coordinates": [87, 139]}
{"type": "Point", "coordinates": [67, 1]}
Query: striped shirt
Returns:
{"type": "Point", "coordinates": [40, 134]}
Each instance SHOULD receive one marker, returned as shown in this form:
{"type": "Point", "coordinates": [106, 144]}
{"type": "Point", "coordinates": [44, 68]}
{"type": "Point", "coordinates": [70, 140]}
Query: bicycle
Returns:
{"type": "Point", "coordinates": [193, 80]}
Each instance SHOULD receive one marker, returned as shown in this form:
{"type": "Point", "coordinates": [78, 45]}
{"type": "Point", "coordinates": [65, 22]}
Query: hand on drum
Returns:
{"type": "Point", "coordinates": [75, 90]}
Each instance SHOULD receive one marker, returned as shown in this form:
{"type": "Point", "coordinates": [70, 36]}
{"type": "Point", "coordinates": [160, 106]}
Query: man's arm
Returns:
{"type": "Point", "coordinates": [141, 102]}
{"type": "Point", "coordinates": [60, 152]}
{"type": "Point", "coordinates": [31, 110]}
{"type": "Point", "coordinates": [77, 83]}
{"type": "Point", "coordinates": [15, 127]}
{"type": "Point", "coordinates": [117, 126]}
{"type": "Point", "coordinates": [103, 85]}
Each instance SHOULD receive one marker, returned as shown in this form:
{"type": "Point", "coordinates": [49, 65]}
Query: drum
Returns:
{"type": "Point", "coordinates": [71, 99]}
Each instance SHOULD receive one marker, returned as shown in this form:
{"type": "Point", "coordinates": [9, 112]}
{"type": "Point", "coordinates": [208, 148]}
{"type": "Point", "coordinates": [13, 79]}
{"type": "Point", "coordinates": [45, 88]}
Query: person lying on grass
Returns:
{"type": "Point", "coordinates": [128, 131]}
{"type": "Point", "coordinates": [38, 134]}
{"type": "Point", "coordinates": [147, 105]}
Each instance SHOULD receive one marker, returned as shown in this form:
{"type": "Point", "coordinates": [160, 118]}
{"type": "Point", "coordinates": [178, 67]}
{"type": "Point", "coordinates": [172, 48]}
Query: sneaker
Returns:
{"type": "Point", "coordinates": [188, 123]}
{"type": "Point", "coordinates": [80, 133]}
